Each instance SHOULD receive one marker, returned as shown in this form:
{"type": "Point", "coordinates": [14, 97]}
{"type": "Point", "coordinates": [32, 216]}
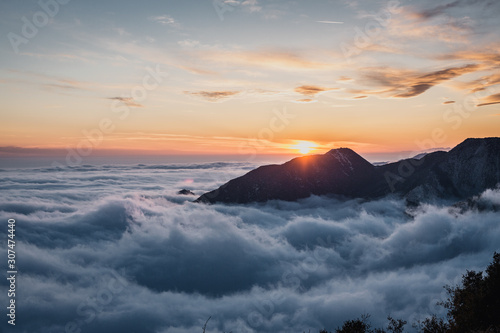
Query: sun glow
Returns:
{"type": "Point", "coordinates": [304, 147]}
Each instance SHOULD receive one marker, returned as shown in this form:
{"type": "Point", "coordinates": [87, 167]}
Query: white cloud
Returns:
{"type": "Point", "coordinates": [189, 43]}
{"type": "Point", "coordinates": [277, 267]}
{"type": "Point", "coordinates": [252, 6]}
{"type": "Point", "coordinates": [165, 20]}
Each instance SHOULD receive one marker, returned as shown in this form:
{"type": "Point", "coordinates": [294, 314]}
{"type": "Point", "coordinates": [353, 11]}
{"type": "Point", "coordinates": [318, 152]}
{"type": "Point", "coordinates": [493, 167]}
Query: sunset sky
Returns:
{"type": "Point", "coordinates": [247, 76]}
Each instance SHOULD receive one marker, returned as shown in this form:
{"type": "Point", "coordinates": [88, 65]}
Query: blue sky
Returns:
{"type": "Point", "coordinates": [377, 76]}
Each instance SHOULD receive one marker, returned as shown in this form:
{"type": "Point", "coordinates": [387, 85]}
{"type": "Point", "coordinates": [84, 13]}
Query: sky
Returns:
{"type": "Point", "coordinates": [247, 77]}
{"type": "Point", "coordinates": [114, 248]}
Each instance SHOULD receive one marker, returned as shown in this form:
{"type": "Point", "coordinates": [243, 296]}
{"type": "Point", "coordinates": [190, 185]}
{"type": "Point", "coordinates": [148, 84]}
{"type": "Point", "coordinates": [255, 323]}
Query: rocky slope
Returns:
{"type": "Point", "coordinates": [467, 170]}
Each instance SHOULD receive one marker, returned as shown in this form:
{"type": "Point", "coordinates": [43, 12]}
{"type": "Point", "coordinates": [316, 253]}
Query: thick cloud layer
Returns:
{"type": "Point", "coordinates": [115, 249]}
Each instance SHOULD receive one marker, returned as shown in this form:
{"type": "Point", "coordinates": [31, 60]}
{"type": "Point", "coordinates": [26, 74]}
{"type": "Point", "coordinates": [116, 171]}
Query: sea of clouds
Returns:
{"type": "Point", "coordinates": [113, 248]}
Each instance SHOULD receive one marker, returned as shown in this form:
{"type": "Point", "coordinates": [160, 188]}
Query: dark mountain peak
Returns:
{"type": "Point", "coordinates": [471, 167]}
{"type": "Point", "coordinates": [346, 154]}
{"type": "Point", "coordinates": [185, 192]}
{"type": "Point", "coordinates": [468, 169]}
{"type": "Point", "coordinates": [475, 144]}
{"type": "Point", "coordinates": [338, 161]}
{"type": "Point", "coordinates": [342, 156]}
{"type": "Point", "coordinates": [344, 150]}
{"type": "Point", "coordinates": [338, 172]}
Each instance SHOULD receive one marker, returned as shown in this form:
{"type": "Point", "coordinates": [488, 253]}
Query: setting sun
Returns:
{"type": "Point", "coordinates": [304, 147]}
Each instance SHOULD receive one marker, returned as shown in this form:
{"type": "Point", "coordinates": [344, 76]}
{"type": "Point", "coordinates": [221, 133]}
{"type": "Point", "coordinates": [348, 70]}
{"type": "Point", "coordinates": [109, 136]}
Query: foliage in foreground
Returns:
{"type": "Point", "coordinates": [472, 307]}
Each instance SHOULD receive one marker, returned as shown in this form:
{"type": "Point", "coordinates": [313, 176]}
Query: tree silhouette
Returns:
{"type": "Point", "coordinates": [475, 306]}
{"type": "Point", "coordinates": [354, 326]}
{"type": "Point", "coordinates": [395, 325]}
{"type": "Point", "coordinates": [434, 325]}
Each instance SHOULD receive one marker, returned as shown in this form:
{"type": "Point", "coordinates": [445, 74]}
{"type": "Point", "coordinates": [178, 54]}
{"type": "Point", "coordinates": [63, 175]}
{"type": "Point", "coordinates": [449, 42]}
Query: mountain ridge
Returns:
{"type": "Point", "coordinates": [466, 170]}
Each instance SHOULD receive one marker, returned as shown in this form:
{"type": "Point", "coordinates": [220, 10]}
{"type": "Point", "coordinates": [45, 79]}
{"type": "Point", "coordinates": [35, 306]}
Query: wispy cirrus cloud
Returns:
{"type": "Point", "coordinates": [490, 100]}
{"type": "Point", "coordinates": [481, 83]}
{"type": "Point", "coordinates": [282, 59]}
{"type": "Point", "coordinates": [344, 79]}
{"type": "Point", "coordinates": [309, 90]}
{"type": "Point", "coordinates": [405, 84]}
{"type": "Point", "coordinates": [252, 6]}
{"type": "Point", "coordinates": [330, 22]}
{"type": "Point", "coordinates": [305, 101]}
{"type": "Point", "coordinates": [276, 59]}
{"type": "Point", "coordinates": [60, 56]}
{"type": "Point", "coordinates": [204, 59]}
{"type": "Point", "coordinates": [165, 20]}
{"type": "Point", "coordinates": [490, 60]}
{"type": "Point", "coordinates": [409, 25]}
{"type": "Point", "coordinates": [197, 71]}
{"type": "Point", "coordinates": [445, 8]}
{"type": "Point", "coordinates": [47, 82]}
{"type": "Point", "coordinates": [421, 21]}
{"type": "Point", "coordinates": [128, 101]}
{"type": "Point", "coordinates": [421, 24]}
{"type": "Point", "coordinates": [437, 10]}
{"type": "Point", "coordinates": [421, 84]}
{"type": "Point", "coordinates": [490, 56]}
{"type": "Point", "coordinates": [213, 96]}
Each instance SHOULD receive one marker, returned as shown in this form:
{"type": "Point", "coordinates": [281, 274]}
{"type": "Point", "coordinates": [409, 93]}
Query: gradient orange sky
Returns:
{"type": "Point", "coordinates": [247, 77]}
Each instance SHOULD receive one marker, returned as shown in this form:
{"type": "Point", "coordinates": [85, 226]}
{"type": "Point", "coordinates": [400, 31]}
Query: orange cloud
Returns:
{"type": "Point", "coordinates": [490, 100]}
{"type": "Point", "coordinates": [405, 84]}
{"type": "Point", "coordinates": [444, 8]}
{"type": "Point", "coordinates": [427, 25]}
{"type": "Point", "coordinates": [277, 59]}
{"type": "Point", "coordinates": [213, 96]}
{"type": "Point", "coordinates": [197, 71]}
{"type": "Point", "coordinates": [491, 56]}
{"type": "Point", "coordinates": [128, 101]}
{"type": "Point", "coordinates": [312, 90]}
{"type": "Point", "coordinates": [422, 83]}
{"type": "Point", "coordinates": [281, 59]}
{"type": "Point", "coordinates": [489, 60]}
{"type": "Point", "coordinates": [406, 28]}
{"type": "Point", "coordinates": [305, 100]}
{"type": "Point", "coordinates": [482, 83]}
{"type": "Point", "coordinates": [344, 79]}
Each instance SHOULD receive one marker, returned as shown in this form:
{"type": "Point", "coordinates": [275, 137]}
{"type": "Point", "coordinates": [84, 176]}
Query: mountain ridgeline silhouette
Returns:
{"type": "Point", "coordinates": [465, 171]}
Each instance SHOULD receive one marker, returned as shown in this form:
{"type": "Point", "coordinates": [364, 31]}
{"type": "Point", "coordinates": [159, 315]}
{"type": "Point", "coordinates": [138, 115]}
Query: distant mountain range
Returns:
{"type": "Point", "coordinates": [465, 171]}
